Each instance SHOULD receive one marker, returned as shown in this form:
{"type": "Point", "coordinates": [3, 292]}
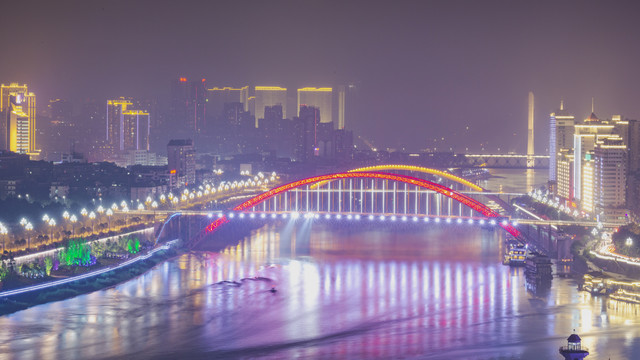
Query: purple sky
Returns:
{"type": "Point", "coordinates": [425, 69]}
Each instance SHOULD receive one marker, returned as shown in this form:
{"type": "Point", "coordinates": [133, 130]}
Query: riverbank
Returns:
{"type": "Point", "coordinates": [20, 299]}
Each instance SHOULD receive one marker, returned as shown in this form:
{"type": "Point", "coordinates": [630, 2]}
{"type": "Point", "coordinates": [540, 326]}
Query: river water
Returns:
{"type": "Point", "coordinates": [422, 291]}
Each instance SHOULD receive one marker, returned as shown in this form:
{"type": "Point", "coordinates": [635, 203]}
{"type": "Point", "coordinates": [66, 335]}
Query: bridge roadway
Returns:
{"type": "Point", "coordinates": [514, 221]}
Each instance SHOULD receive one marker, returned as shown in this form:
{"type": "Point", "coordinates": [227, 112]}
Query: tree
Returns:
{"type": "Point", "coordinates": [48, 265]}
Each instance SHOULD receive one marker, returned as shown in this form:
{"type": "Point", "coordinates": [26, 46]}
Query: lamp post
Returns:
{"type": "Point", "coordinates": [84, 214]}
{"type": "Point", "coordinates": [92, 216]}
{"type": "Point", "coordinates": [73, 220]}
{"type": "Point", "coordinates": [154, 206]}
{"type": "Point", "coordinates": [28, 227]}
{"type": "Point", "coordinates": [109, 213]}
{"type": "Point", "coordinates": [3, 231]}
{"type": "Point", "coordinates": [52, 224]}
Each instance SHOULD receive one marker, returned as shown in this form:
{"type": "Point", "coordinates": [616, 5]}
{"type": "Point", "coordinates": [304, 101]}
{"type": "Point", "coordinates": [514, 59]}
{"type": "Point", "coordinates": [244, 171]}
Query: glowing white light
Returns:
{"type": "Point", "coordinates": [459, 221]}
{"type": "Point", "coordinates": [448, 220]}
{"type": "Point", "coordinates": [470, 221]}
{"type": "Point", "coordinates": [393, 218]}
{"type": "Point", "coordinates": [481, 221]}
{"type": "Point", "coordinates": [404, 218]}
{"type": "Point", "coordinates": [273, 216]}
{"type": "Point", "coordinates": [492, 222]}
{"type": "Point", "coordinates": [231, 215]}
{"type": "Point", "coordinates": [327, 216]}
{"type": "Point", "coordinates": [515, 223]}
{"type": "Point", "coordinates": [338, 216]}
{"type": "Point", "coordinates": [381, 217]}
{"type": "Point", "coordinates": [263, 215]}
{"type": "Point", "coordinates": [241, 215]}
{"type": "Point", "coordinates": [357, 216]}
{"type": "Point", "coordinates": [437, 220]}
{"type": "Point", "coordinates": [426, 219]}
{"type": "Point", "coordinates": [284, 216]}
{"type": "Point", "coordinates": [349, 217]}
{"type": "Point", "coordinates": [252, 215]}
{"type": "Point", "coordinates": [371, 217]}
{"type": "Point", "coordinates": [504, 222]}
{"type": "Point", "coordinates": [219, 215]}
{"type": "Point", "coordinates": [209, 215]}
{"type": "Point", "coordinates": [415, 218]}
{"type": "Point", "coordinates": [295, 215]}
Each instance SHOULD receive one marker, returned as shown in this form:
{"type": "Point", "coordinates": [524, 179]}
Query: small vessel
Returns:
{"type": "Point", "coordinates": [516, 254]}
{"type": "Point", "coordinates": [538, 267]}
{"type": "Point", "coordinates": [273, 289]}
{"type": "Point", "coordinates": [574, 349]}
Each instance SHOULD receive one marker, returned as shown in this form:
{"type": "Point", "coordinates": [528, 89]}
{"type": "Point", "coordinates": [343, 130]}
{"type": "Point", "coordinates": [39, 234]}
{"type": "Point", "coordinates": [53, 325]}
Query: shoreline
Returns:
{"type": "Point", "coordinates": [15, 300]}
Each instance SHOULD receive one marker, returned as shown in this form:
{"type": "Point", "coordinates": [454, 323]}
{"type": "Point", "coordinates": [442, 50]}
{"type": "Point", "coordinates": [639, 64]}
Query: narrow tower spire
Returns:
{"type": "Point", "coordinates": [530, 150]}
{"type": "Point", "coordinates": [592, 105]}
{"type": "Point", "coordinates": [561, 104]}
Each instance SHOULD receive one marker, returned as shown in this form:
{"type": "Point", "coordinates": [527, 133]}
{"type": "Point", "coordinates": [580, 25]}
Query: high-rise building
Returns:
{"type": "Point", "coordinates": [320, 98]}
{"type": "Point", "coordinates": [560, 137]}
{"type": "Point", "coordinates": [187, 110]}
{"type": "Point", "coordinates": [218, 96]}
{"type": "Point", "coordinates": [584, 139]}
{"type": "Point", "coordinates": [269, 96]}
{"type": "Point", "coordinates": [342, 94]}
{"type": "Point", "coordinates": [127, 128]}
{"type": "Point", "coordinates": [610, 158]}
{"type": "Point", "coordinates": [588, 184]}
{"type": "Point", "coordinates": [565, 174]}
{"type": "Point", "coordinates": [19, 108]}
{"type": "Point", "coordinates": [181, 157]}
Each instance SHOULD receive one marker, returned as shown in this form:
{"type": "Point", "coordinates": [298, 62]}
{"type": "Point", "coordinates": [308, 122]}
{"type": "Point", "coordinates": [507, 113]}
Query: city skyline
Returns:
{"type": "Point", "coordinates": [433, 83]}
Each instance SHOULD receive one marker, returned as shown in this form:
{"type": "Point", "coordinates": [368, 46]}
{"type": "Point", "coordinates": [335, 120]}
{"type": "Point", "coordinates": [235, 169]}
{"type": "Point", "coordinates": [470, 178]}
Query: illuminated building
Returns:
{"type": "Point", "coordinates": [218, 96]}
{"type": "Point", "coordinates": [306, 127]}
{"type": "Point", "coordinates": [560, 138]}
{"type": "Point", "coordinates": [565, 174]}
{"type": "Point", "coordinates": [610, 157]}
{"type": "Point", "coordinates": [587, 184]}
{"type": "Point", "coordinates": [320, 98]}
{"type": "Point", "coordinates": [19, 108]}
{"type": "Point", "coordinates": [584, 140]}
{"type": "Point", "coordinates": [181, 157]}
{"type": "Point", "coordinates": [269, 96]}
{"type": "Point", "coordinates": [127, 128]}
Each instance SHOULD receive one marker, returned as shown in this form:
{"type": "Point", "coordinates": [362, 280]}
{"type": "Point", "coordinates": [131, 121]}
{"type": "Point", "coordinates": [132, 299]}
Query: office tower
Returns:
{"type": "Point", "coordinates": [565, 174]}
{"type": "Point", "coordinates": [306, 126]}
{"type": "Point", "coordinates": [216, 98]}
{"type": "Point", "coordinates": [584, 140]}
{"type": "Point", "coordinates": [588, 184]}
{"type": "Point", "coordinates": [530, 149]}
{"type": "Point", "coordinates": [610, 158]}
{"type": "Point", "coordinates": [135, 131]}
{"type": "Point", "coordinates": [320, 98]}
{"type": "Point", "coordinates": [196, 106]}
{"type": "Point", "coordinates": [16, 98]}
{"type": "Point", "coordinates": [181, 158]}
{"type": "Point", "coordinates": [560, 137]}
{"type": "Point", "coordinates": [178, 104]}
{"type": "Point", "coordinates": [127, 128]}
{"type": "Point", "coordinates": [342, 94]}
{"type": "Point", "coordinates": [269, 96]}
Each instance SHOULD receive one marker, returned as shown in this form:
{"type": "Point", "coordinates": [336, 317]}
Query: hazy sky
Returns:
{"type": "Point", "coordinates": [424, 69]}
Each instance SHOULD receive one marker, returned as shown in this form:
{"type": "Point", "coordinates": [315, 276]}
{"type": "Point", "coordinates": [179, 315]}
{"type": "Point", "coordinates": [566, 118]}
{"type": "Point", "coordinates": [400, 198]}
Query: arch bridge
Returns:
{"type": "Point", "coordinates": [365, 194]}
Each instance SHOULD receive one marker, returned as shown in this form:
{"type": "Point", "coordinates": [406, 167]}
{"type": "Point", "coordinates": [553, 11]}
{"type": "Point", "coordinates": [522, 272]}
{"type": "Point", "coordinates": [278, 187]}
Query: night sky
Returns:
{"type": "Point", "coordinates": [423, 69]}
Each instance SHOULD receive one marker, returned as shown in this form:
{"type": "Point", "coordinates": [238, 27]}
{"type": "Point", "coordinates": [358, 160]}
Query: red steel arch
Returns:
{"type": "Point", "coordinates": [466, 200]}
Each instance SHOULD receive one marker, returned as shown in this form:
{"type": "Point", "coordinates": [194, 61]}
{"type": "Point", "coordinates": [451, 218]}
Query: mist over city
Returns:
{"type": "Point", "coordinates": [320, 179]}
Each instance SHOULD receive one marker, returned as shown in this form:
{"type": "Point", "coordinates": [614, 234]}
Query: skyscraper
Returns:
{"type": "Point", "coordinates": [584, 139]}
{"type": "Point", "coordinates": [320, 98]}
{"type": "Point", "coordinates": [218, 96]}
{"type": "Point", "coordinates": [560, 137]}
{"type": "Point", "coordinates": [127, 128]}
{"type": "Point", "coordinates": [19, 108]}
{"type": "Point", "coordinates": [181, 161]}
{"type": "Point", "coordinates": [269, 96]}
{"type": "Point", "coordinates": [342, 94]}
{"type": "Point", "coordinates": [610, 158]}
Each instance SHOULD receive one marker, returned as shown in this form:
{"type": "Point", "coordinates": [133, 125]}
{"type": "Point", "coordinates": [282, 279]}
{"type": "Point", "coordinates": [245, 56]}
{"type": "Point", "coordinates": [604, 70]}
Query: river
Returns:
{"type": "Point", "coordinates": [422, 291]}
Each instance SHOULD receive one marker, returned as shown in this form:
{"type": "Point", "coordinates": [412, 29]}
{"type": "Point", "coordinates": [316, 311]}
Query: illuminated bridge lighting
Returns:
{"type": "Point", "coordinates": [420, 183]}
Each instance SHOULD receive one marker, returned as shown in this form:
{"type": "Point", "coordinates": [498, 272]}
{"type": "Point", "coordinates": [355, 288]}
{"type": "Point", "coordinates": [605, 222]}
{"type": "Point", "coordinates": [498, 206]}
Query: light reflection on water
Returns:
{"type": "Point", "coordinates": [435, 292]}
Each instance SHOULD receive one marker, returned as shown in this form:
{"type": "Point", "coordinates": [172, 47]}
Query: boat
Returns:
{"type": "Point", "coordinates": [538, 267]}
{"type": "Point", "coordinates": [516, 254]}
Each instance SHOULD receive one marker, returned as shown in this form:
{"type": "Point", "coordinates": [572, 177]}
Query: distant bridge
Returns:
{"type": "Point", "coordinates": [513, 161]}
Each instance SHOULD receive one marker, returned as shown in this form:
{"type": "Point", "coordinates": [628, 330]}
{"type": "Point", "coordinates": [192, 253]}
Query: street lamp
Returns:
{"type": "Point", "coordinates": [629, 241]}
{"type": "Point", "coordinates": [3, 231]}
{"type": "Point", "coordinates": [28, 227]}
{"type": "Point", "coordinates": [92, 216]}
{"type": "Point", "coordinates": [73, 220]}
{"type": "Point", "coordinates": [109, 213]}
{"type": "Point", "coordinates": [51, 223]}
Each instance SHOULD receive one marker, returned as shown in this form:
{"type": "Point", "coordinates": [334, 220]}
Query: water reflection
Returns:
{"type": "Point", "coordinates": [374, 293]}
